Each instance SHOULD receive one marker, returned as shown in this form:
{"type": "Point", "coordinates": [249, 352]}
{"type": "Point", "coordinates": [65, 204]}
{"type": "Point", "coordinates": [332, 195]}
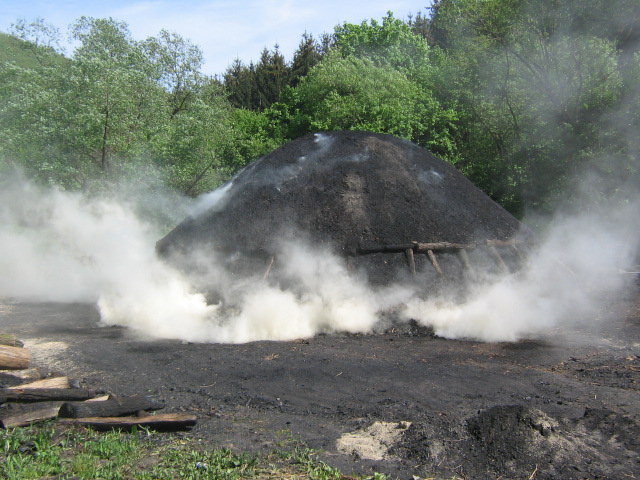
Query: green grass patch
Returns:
{"type": "Point", "coordinates": [49, 451]}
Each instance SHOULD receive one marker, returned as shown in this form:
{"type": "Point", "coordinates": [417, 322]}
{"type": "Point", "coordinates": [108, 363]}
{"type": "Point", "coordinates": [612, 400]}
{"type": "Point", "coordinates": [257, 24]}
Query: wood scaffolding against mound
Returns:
{"type": "Point", "coordinates": [460, 249]}
{"type": "Point", "coordinates": [433, 249]}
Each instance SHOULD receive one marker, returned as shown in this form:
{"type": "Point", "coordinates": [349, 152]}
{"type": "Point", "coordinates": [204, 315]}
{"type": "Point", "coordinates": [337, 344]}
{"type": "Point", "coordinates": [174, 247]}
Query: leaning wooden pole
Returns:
{"type": "Point", "coordinates": [434, 262]}
{"type": "Point", "coordinates": [411, 261]}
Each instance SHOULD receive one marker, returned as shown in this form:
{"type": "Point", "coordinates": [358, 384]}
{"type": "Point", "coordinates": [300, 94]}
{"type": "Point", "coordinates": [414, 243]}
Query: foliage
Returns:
{"type": "Point", "coordinates": [521, 96]}
{"type": "Point", "coordinates": [534, 87]}
{"type": "Point", "coordinates": [350, 93]}
{"type": "Point", "coordinates": [116, 107]}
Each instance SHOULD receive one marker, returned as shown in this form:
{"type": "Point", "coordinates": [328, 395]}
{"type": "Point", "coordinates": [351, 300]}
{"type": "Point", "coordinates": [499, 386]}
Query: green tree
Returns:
{"type": "Point", "coordinates": [349, 93]}
{"type": "Point", "coordinates": [532, 86]}
{"type": "Point", "coordinates": [272, 76]}
{"type": "Point", "coordinates": [308, 55]}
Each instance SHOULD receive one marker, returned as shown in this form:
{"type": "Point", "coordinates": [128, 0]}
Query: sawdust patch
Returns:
{"type": "Point", "coordinates": [47, 352]}
{"type": "Point", "coordinates": [373, 442]}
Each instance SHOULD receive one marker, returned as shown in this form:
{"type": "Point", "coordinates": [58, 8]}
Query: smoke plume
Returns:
{"type": "Point", "coordinates": [64, 247]}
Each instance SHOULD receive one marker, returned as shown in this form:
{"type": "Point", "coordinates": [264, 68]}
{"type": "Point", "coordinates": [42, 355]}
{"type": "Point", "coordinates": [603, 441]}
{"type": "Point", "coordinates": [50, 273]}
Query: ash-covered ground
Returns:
{"type": "Point", "coordinates": [404, 402]}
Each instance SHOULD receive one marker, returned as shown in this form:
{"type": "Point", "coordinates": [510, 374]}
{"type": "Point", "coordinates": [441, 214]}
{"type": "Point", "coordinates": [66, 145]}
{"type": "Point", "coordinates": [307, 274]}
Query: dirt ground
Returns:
{"type": "Point", "coordinates": [404, 403]}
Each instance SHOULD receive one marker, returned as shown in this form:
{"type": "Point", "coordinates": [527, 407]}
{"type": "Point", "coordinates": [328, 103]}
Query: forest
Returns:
{"type": "Point", "coordinates": [526, 98]}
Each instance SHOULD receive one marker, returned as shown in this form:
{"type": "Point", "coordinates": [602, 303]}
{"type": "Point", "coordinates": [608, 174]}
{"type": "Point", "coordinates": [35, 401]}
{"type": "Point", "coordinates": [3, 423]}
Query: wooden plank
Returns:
{"type": "Point", "coordinates": [53, 382]}
{"type": "Point", "coordinates": [10, 340]}
{"type": "Point", "coordinates": [21, 394]}
{"type": "Point", "coordinates": [111, 407]}
{"type": "Point", "coordinates": [14, 358]}
{"type": "Point", "coordinates": [166, 421]}
{"type": "Point", "coordinates": [434, 262]}
{"type": "Point", "coordinates": [24, 419]}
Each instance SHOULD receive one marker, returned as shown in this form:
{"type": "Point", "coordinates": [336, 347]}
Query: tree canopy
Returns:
{"type": "Point", "coordinates": [522, 96]}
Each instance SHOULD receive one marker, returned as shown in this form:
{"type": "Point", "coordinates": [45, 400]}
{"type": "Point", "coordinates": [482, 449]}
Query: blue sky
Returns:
{"type": "Point", "coordinates": [224, 29]}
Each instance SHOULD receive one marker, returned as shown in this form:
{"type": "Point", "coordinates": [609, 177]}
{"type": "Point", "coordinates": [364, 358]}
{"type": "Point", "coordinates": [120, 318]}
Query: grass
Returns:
{"type": "Point", "coordinates": [49, 452]}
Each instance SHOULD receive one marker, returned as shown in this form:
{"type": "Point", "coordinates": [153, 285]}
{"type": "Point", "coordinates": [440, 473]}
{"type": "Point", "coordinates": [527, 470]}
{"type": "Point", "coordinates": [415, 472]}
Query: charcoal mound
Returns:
{"type": "Point", "coordinates": [344, 191]}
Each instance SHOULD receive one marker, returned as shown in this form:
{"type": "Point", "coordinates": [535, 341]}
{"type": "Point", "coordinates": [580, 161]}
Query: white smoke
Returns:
{"type": "Point", "coordinates": [580, 261]}
{"type": "Point", "coordinates": [65, 247]}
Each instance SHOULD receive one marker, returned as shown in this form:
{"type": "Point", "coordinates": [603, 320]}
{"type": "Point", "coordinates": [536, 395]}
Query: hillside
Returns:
{"type": "Point", "coordinates": [17, 51]}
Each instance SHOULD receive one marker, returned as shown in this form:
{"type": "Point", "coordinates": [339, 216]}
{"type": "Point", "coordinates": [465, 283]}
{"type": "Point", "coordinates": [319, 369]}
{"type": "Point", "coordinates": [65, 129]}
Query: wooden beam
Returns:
{"type": "Point", "coordinates": [425, 247]}
{"type": "Point", "coordinates": [166, 421]}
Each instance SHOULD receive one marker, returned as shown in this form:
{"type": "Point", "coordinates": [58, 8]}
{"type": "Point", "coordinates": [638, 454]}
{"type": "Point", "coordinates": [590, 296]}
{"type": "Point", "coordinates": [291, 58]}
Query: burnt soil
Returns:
{"type": "Point", "coordinates": [565, 406]}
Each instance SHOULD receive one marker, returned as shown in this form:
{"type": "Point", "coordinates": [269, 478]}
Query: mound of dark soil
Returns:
{"type": "Point", "coordinates": [518, 441]}
{"type": "Point", "coordinates": [342, 190]}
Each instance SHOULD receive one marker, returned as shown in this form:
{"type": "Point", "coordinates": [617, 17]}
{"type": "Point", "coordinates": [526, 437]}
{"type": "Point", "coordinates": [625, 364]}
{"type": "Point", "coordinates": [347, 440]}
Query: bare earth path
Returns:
{"type": "Point", "coordinates": [566, 406]}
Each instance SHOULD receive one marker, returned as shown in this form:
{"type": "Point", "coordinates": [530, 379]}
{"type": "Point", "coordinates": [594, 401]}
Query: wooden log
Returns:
{"type": "Point", "coordinates": [434, 262]}
{"type": "Point", "coordinates": [425, 247]}
{"type": "Point", "coordinates": [165, 421]}
{"type": "Point", "coordinates": [27, 418]}
{"type": "Point", "coordinates": [411, 261]}
{"type": "Point", "coordinates": [371, 248]}
{"type": "Point", "coordinates": [21, 394]}
{"type": "Point", "coordinates": [112, 407]}
{"type": "Point", "coordinates": [14, 358]}
{"type": "Point", "coordinates": [498, 258]}
{"type": "Point", "coordinates": [53, 382]}
{"type": "Point", "coordinates": [10, 340]}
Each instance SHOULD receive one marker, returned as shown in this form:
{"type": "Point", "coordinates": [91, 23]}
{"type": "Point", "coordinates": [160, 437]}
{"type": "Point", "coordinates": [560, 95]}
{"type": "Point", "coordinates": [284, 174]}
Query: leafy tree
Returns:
{"type": "Point", "coordinates": [390, 43]}
{"type": "Point", "coordinates": [115, 107]}
{"type": "Point", "coordinates": [349, 93]}
{"type": "Point", "coordinates": [177, 65]}
{"type": "Point", "coordinates": [42, 39]}
{"type": "Point", "coordinates": [531, 87]}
